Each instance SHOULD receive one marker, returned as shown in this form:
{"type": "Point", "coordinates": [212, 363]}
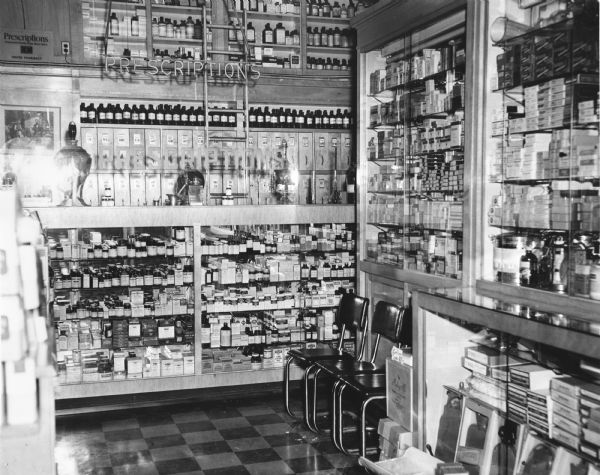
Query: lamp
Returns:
{"type": "Point", "coordinates": [74, 165]}
{"type": "Point", "coordinates": [190, 185]}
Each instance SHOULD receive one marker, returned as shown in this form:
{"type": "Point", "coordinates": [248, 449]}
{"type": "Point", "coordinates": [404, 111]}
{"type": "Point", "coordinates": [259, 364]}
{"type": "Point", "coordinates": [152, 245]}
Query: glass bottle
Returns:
{"type": "Point", "coordinates": [267, 35]}
{"type": "Point", "coordinates": [162, 27]}
{"type": "Point", "coordinates": [154, 27]}
{"type": "Point", "coordinates": [225, 336]}
{"type": "Point", "coordinates": [528, 269]}
{"type": "Point", "coordinates": [114, 24]}
{"type": "Point", "coordinates": [135, 25]}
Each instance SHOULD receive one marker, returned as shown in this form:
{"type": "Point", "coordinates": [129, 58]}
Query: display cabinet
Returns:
{"type": "Point", "coordinates": [542, 166]}
{"type": "Point", "coordinates": [501, 393]}
{"type": "Point", "coordinates": [412, 77]}
{"type": "Point", "coordinates": [158, 302]}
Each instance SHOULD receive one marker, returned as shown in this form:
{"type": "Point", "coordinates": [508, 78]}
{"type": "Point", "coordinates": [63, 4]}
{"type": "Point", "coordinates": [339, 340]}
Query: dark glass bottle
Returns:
{"type": "Point", "coordinates": [110, 114]}
{"type": "Point", "coordinates": [160, 115]}
{"type": "Point", "coordinates": [351, 183]}
{"type": "Point", "coordinates": [126, 114]}
{"type": "Point", "coordinates": [118, 114]}
{"type": "Point", "coordinates": [151, 115]}
{"type": "Point", "coordinates": [135, 115]}
{"type": "Point", "coordinates": [168, 119]}
{"type": "Point", "coordinates": [91, 114]}
{"type": "Point", "coordinates": [83, 115]}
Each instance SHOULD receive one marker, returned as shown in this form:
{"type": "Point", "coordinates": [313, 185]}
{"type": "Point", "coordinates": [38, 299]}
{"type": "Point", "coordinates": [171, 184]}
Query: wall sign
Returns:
{"type": "Point", "coordinates": [26, 45]}
{"type": "Point", "coordinates": [181, 67]}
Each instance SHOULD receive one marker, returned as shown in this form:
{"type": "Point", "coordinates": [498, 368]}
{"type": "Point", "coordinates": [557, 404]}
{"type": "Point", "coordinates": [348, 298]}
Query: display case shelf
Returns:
{"type": "Point", "coordinates": [211, 380]}
{"type": "Point", "coordinates": [146, 216]}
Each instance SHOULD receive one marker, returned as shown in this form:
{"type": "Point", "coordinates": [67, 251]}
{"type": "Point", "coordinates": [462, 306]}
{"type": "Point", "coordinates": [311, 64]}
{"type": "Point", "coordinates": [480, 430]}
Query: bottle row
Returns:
{"type": "Point", "coordinates": [329, 37]}
{"type": "Point", "coordinates": [290, 295]}
{"type": "Point", "coordinates": [330, 64]}
{"type": "Point", "coordinates": [265, 329]}
{"type": "Point", "coordinates": [270, 36]}
{"type": "Point", "coordinates": [121, 333]}
{"type": "Point", "coordinates": [548, 261]}
{"type": "Point", "coordinates": [266, 6]}
{"type": "Point", "coordinates": [127, 26]}
{"type": "Point", "coordinates": [105, 365]}
{"type": "Point", "coordinates": [268, 241]}
{"type": "Point", "coordinates": [136, 246]}
{"type": "Point", "coordinates": [278, 268]}
{"type": "Point", "coordinates": [136, 304]}
{"type": "Point", "coordinates": [436, 252]}
{"type": "Point", "coordinates": [181, 115]}
{"type": "Point", "coordinates": [121, 275]}
{"type": "Point", "coordinates": [259, 117]}
{"type": "Point", "coordinates": [420, 66]}
{"type": "Point", "coordinates": [323, 8]}
{"type": "Point", "coordinates": [187, 29]}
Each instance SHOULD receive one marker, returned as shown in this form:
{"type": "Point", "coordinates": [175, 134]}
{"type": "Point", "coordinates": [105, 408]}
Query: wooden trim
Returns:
{"type": "Point", "coordinates": [388, 20]}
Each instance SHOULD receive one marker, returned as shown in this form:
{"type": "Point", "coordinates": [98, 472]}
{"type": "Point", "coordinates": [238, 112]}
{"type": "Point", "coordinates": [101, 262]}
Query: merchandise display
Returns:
{"type": "Point", "coordinates": [139, 306]}
{"type": "Point", "coordinates": [415, 154]}
{"type": "Point", "coordinates": [543, 151]}
{"type": "Point", "coordinates": [245, 169]}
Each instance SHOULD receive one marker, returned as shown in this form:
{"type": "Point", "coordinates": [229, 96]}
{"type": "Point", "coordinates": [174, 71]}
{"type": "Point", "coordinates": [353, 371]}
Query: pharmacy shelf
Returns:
{"type": "Point", "coordinates": [147, 216]}
{"type": "Point", "coordinates": [409, 276]}
{"type": "Point", "coordinates": [586, 309]}
{"type": "Point", "coordinates": [498, 320]}
{"type": "Point", "coordinates": [199, 381]}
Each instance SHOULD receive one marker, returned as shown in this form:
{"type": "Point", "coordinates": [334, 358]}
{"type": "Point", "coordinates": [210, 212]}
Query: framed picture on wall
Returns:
{"type": "Point", "coordinates": [29, 129]}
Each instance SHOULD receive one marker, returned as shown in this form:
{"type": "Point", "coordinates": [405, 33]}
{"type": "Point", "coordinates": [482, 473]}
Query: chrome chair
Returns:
{"type": "Point", "coordinates": [364, 379]}
{"type": "Point", "coordinates": [351, 314]}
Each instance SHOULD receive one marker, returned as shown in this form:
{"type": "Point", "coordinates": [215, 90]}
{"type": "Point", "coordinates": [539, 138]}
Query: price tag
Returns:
{"type": "Point", "coordinates": [137, 139]}
{"type": "Point", "coordinates": [321, 141]}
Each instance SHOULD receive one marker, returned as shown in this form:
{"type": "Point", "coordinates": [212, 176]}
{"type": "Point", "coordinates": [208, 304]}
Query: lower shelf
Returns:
{"type": "Point", "coordinates": [197, 381]}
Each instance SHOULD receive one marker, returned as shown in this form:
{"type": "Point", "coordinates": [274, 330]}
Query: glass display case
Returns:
{"type": "Point", "coordinates": [542, 196]}
{"type": "Point", "coordinates": [139, 308]}
{"type": "Point", "coordinates": [411, 143]}
{"type": "Point", "coordinates": [503, 394]}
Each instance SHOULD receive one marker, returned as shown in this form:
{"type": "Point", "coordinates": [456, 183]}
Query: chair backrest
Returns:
{"type": "Point", "coordinates": [352, 314]}
{"type": "Point", "coordinates": [387, 322]}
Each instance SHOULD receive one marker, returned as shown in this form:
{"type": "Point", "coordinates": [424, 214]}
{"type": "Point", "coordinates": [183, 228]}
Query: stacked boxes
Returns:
{"type": "Point", "coordinates": [576, 418]}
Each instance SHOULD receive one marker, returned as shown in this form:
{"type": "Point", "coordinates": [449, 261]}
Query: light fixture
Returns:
{"type": "Point", "coordinates": [74, 165]}
{"type": "Point", "coordinates": [190, 187]}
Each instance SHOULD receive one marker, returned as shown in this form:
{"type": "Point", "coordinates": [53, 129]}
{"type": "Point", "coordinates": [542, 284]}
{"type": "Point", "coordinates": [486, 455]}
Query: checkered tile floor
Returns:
{"type": "Point", "coordinates": [212, 438]}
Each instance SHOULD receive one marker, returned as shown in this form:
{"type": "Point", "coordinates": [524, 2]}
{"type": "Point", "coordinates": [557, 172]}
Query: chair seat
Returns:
{"type": "Point", "coordinates": [348, 367]}
{"type": "Point", "coordinates": [368, 384]}
{"type": "Point", "coordinates": [318, 354]}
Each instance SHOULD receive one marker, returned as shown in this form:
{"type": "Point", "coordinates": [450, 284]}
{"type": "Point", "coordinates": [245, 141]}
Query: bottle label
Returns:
{"type": "Point", "coordinates": [126, 115]}
{"type": "Point", "coordinates": [119, 116]}
{"type": "Point", "coordinates": [135, 116]}
{"type": "Point", "coordinates": [91, 114]}
{"type": "Point", "coordinates": [350, 188]}
{"type": "Point", "coordinates": [83, 115]}
{"type": "Point", "coordinates": [109, 116]}
{"type": "Point", "coordinates": [151, 116]}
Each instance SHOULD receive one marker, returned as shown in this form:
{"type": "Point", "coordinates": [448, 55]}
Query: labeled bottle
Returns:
{"type": "Point", "coordinates": [351, 183]}
{"type": "Point", "coordinates": [559, 278]}
{"type": "Point", "coordinates": [127, 114]}
{"type": "Point", "coordinates": [135, 25]}
{"type": "Point", "coordinates": [169, 28]}
{"type": "Point", "coordinates": [118, 114]}
{"type": "Point", "coordinates": [83, 115]}
{"type": "Point", "coordinates": [151, 115]}
{"type": "Point", "coordinates": [162, 27]}
{"type": "Point", "coordinates": [225, 336]}
{"type": "Point", "coordinates": [154, 27]}
{"type": "Point", "coordinates": [114, 24]}
{"type": "Point", "coordinates": [250, 33]}
{"type": "Point", "coordinates": [279, 34]}
{"type": "Point", "coordinates": [189, 28]}
{"type": "Point", "coordinates": [110, 114]}
{"type": "Point", "coordinates": [528, 269]}
{"type": "Point", "coordinates": [267, 34]}
{"type": "Point", "coordinates": [91, 114]}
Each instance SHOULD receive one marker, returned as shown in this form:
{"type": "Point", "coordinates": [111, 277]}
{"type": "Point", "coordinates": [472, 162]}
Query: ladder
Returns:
{"type": "Point", "coordinates": [228, 18]}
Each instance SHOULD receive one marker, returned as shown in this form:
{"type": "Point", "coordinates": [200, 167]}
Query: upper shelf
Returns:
{"type": "Point", "coordinates": [109, 217]}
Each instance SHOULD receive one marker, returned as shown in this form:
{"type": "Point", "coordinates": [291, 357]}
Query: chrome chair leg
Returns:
{"type": "Point", "coordinates": [340, 410]}
{"type": "Point", "coordinates": [307, 399]}
{"type": "Point", "coordinates": [286, 386]}
{"type": "Point", "coordinates": [363, 423]}
{"type": "Point", "coordinates": [314, 398]}
{"type": "Point", "coordinates": [334, 414]}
